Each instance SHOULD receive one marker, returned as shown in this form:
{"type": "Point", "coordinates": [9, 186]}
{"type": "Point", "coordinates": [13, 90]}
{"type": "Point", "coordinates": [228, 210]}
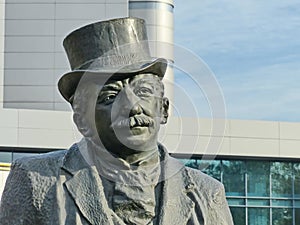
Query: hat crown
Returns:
{"type": "Point", "coordinates": [101, 44]}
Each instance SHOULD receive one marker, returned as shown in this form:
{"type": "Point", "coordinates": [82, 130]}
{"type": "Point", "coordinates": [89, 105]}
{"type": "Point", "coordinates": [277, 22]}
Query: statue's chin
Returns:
{"type": "Point", "coordinates": [139, 139]}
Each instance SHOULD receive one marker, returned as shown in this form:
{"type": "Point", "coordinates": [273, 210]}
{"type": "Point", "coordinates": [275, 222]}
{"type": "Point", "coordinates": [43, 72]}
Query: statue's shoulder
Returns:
{"type": "Point", "coordinates": [205, 183]}
{"type": "Point", "coordinates": [42, 163]}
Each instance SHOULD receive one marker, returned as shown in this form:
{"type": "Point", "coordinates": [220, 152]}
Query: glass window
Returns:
{"type": "Point", "coordinates": [234, 177]}
{"type": "Point", "coordinates": [5, 157]}
{"type": "Point", "coordinates": [238, 215]}
{"type": "Point", "coordinates": [282, 202]}
{"type": "Point", "coordinates": [281, 179]}
{"type": "Point", "coordinates": [297, 179]}
{"type": "Point", "coordinates": [282, 217]}
{"type": "Point", "coordinates": [297, 216]}
{"type": "Point", "coordinates": [193, 163]}
{"type": "Point", "coordinates": [236, 201]}
{"type": "Point", "coordinates": [258, 202]}
{"type": "Point", "coordinates": [258, 216]}
{"type": "Point", "coordinates": [258, 178]}
{"type": "Point", "coordinates": [211, 168]}
{"type": "Point", "coordinates": [269, 186]}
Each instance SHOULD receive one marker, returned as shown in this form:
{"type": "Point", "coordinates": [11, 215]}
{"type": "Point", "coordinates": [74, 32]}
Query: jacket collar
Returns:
{"type": "Point", "coordinates": [85, 187]}
{"type": "Point", "coordinates": [176, 205]}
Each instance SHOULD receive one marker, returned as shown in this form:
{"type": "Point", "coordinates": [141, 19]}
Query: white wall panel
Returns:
{"type": "Point", "coordinates": [30, 11]}
{"type": "Point", "coordinates": [64, 27]}
{"type": "Point", "coordinates": [254, 147]}
{"type": "Point", "coordinates": [58, 44]}
{"type": "Point", "coordinates": [29, 27]}
{"type": "Point", "coordinates": [290, 148]}
{"type": "Point", "coordinates": [116, 1]}
{"type": "Point", "coordinates": [256, 129]}
{"type": "Point", "coordinates": [80, 11]}
{"type": "Point", "coordinates": [35, 30]}
{"type": "Point", "coordinates": [33, 60]}
{"type": "Point", "coordinates": [8, 118]}
{"type": "Point", "coordinates": [290, 130]}
{"type": "Point", "coordinates": [62, 106]}
{"type": "Point", "coordinates": [29, 44]}
{"type": "Point", "coordinates": [16, 94]}
{"type": "Point", "coordinates": [31, 1]}
{"type": "Point", "coordinates": [30, 105]}
{"type": "Point", "coordinates": [116, 10]}
{"type": "Point", "coordinates": [45, 120]}
{"type": "Point", "coordinates": [44, 138]}
{"type": "Point", "coordinates": [29, 77]}
{"type": "Point", "coordinates": [81, 1]}
{"type": "Point", "coordinates": [9, 136]}
{"type": "Point", "coordinates": [61, 61]}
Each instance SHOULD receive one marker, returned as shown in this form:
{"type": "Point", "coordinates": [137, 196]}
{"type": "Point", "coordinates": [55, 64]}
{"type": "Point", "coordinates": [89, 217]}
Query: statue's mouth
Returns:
{"type": "Point", "coordinates": [134, 121]}
{"type": "Point", "coordinates": [139, 121]}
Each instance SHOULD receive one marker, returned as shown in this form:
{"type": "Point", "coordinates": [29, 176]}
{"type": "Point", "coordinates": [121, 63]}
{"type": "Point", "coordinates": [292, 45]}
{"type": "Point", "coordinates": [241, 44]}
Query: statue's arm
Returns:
{"type": "Point", "coordinates": [220, 209]}
{"type": "Point", "coordinates": [16, 206]}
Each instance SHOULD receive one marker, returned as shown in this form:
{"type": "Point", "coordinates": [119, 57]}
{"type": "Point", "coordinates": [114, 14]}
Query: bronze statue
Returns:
{"type": "Point", "coordinates": [118, 173]}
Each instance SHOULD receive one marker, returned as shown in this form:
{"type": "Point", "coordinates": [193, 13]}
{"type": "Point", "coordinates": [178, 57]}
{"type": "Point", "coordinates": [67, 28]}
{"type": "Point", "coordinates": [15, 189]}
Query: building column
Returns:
{"type": "Point", "coordinates": [2, 31]}
{"type": "Point", "coordinates": [159, 21]}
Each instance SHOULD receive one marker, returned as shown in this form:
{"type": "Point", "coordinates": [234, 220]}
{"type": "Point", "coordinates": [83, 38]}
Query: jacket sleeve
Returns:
{"type": "Point", "coordinates": [210, 200]}
{"type": "Point", "coordinates": [16, 206]}
{"type": "Point", "coordinates": [219, 209]}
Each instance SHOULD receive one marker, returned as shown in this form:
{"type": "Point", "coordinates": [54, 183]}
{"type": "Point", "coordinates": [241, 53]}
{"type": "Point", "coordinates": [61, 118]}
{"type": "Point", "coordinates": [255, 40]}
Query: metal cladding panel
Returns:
{"type": "Point", "coordinates": [33, 52]}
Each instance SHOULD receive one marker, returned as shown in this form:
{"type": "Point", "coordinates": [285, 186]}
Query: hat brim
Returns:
{"type": "Point", "coordinates": [68, 83]}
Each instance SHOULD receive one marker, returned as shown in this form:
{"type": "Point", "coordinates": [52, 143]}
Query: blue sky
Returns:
{"type": "Point", "coordinates": [252, 47]}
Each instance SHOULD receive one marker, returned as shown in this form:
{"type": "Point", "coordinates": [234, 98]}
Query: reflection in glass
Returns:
{"type": "Point", "coordinates": [297, 216]}
{"type": "Point", "coordinates": [236, 201]}
{"type": "Point", "coordinates": [297, 179]}
{"type": "Point", "coordinates": [211, 168]}
{"type": "Point", "coordinates": [193, 163]}
{"type": "Point", "coordinates": [234, 177]}
{"type": "Point", "coordinates": [258, 202]}
{"type": "Point", "coordinates": [258, 178]}
{"type": "Point", "coordinates": [258, 216]}
{"type": "Point", "coordinates": [281, 179]}
{"type": "Point", "coordinates": [282, 216]}
{"type": "Point", "coordinates": [5, 157]}
{"type": "Point", "coordinates": [282, 202]}
{"type": "Point", "coordinates": [238, 215]}
{"type": "Point", "coordinates": [267, 182]}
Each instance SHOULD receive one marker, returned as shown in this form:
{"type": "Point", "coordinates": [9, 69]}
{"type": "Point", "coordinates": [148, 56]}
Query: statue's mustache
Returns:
{"type": "Point", "coordinates": [134, 121]}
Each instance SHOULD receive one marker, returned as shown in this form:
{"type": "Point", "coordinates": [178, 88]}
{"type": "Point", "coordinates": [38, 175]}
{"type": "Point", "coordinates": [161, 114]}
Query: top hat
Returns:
{"type": "Point", "coordinates": [117, 47]}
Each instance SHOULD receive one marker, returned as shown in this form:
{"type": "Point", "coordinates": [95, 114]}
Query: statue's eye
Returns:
{"type": "Point", "coordinates": [108, 99]}
{"type": "Point", "coordinates": [144, 92]}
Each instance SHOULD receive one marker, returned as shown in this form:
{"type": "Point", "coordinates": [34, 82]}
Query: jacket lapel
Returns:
{"type": "Point", "coordinates": [86, 189]}
{"type": "Point", "coordinates": [176, 206]}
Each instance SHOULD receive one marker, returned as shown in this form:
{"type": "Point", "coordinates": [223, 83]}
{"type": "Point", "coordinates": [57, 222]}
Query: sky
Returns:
{"type": "Point", "coordinates": [252, 47]}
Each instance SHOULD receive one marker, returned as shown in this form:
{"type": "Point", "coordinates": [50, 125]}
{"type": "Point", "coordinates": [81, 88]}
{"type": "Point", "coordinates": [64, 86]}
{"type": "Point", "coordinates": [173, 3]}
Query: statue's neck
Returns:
{"type": "Point", "coordinates": [136, 158]}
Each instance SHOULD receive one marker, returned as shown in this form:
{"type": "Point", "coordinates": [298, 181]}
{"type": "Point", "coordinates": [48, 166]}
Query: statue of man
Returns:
{"type": "Point", "coordinates": [118, 173]}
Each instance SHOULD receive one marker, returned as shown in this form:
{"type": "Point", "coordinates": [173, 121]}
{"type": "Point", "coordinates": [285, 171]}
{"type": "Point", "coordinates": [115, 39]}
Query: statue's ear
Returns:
{"type": "Point", "coordinates": [81, 123]}
{"type": "Point", "coordinates": [165, 110]}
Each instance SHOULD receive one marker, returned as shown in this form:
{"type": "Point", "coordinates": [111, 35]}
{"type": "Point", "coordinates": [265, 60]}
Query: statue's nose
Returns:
{"type": "Point", "coordinates": [135, 110]}
{"type": "Point", "coordinates": [130, 102]}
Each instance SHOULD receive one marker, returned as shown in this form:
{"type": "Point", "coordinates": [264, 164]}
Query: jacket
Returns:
{"type": "Point", "coordinates": [59, 188]}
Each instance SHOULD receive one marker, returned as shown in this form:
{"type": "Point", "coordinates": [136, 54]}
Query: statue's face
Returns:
{"type": "Point", "coordinates": [129, 112]}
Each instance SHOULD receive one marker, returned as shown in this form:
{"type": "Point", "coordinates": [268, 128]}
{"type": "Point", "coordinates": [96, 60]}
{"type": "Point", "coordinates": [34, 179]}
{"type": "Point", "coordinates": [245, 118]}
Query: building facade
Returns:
{"type": "Point", "coordinates": [257, 161]}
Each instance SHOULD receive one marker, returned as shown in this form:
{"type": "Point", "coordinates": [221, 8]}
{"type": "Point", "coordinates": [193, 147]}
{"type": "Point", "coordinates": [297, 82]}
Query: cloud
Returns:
{"type": "Point", "coordinates": [254, 50]}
